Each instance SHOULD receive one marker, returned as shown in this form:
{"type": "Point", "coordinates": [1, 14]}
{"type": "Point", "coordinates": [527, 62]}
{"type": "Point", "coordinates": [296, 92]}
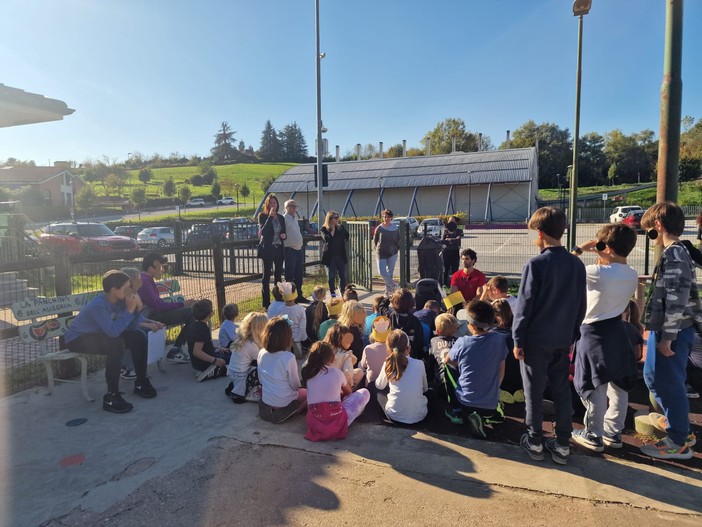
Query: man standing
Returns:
{"type": "Point", "coordinates": [294, 256]}
{"type": "Point", "coordinates": [469, 281]}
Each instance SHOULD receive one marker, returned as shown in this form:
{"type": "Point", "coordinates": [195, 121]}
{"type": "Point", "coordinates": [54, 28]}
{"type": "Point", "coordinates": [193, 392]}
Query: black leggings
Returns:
{"type": "Point", "coordinates": [114, 348]}
{"type": "Point", "coordinates": [272, 264]}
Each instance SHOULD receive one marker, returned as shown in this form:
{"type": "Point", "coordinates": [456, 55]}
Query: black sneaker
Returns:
{"type": "Point", "coordinates": [144, 389]}
{"type": "Point", "coordinates": [476, 425]}
{"type": "Point", "coordinates": [113, 402]}
{"type": "Point", "coordinates": [559, 453]}
{"type": "Point", "coordinates": [535, 452]}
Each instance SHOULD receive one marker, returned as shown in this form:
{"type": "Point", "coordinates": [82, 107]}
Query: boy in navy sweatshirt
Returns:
{"type": "Point", "coordinates": [550, 308]}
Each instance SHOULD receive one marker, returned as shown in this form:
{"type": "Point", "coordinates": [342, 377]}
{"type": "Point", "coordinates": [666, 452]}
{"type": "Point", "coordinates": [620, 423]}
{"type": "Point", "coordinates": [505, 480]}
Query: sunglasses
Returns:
{"type": "Point", "coordinates": [335, 217]}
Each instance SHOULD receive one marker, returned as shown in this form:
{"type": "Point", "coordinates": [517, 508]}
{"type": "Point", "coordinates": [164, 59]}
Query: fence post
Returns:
{"type": "Point", "coordinates": [178, 263]}
{"type": "Point", "coordinates": [218, 263]}
{"type": "Point", "coordinates": [63, 274]}
{"type": "Point", "coordinates": [405, 244]}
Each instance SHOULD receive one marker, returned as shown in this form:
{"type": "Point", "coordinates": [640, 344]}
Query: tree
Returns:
{"type": "Point", "coordinates": [113, 184]}
{"type": "Point", "coordinates": [30, 196]}
{"type": "Point", "coordinates": [197, 180]}
{"type": "Point", "coordinates": [270, 149]}
{"type": "Point", "coordinates": [369, 151]}
{"type": "Point", "coordinates": [442, 134]}
{"type": "Point", "coordinates": [612, 173]}
{"type": "Point", "coordinates": [215, 189]}
{"type": "Point", "coordinates": [145, 175]}
{"type": "Point", "coordinates": [85, 198]}
{"type": "Point", "coordinates": [245, 190]}
{"type": "Point", "coordinates": [592, 163]}
{"type": "Point", "coordinates": [184, 193]}
{"type": "Point", "coordinates": [208, 173]}
{"type": "Point", "coordinates": [138, 197]}
{"type": "Point", "coordinates": [169, 187]}
{"type": "Point", "coordinates": [293, 144]}
{"type": "Point", "coordinates": [242, 147]}
{"type": "Point", "coordinates": [266, 182]}
{"type": "Point", "coordinates": [555, 149]}
{"type": "Point", "coordinates": [633, 154]}
{"type": "Point", "coordinates": [223, 149]}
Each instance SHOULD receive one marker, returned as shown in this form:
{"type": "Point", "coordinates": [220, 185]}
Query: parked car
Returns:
{"type": "Point", "coordinates": [207, 233]}
{"type": "Point", "coordinates": [226, 201]}
{"type": "Point", "coordinates": [413, 223]}
{"type": "Point", "coordinates": [633, 220]}
{"type": "Point", "coordinates": [129, 230]}
{"type": "Point", "coordinates": [241, 228]}
{"type": "Point", "coordinates": [619, 213]}
{"type": "Point", "coordinates": [159, 236]}
{"type": "Point", "coordinates": [85, 238]}
{"type": "Point", "coordinates": [195, 202]}
{"type": "Point", "coordinates": [430, 227]}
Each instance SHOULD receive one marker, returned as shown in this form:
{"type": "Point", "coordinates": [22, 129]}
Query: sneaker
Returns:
{"type": "Point", "coordinates": [113, 402]}
{"type": "Point", "coordinates": [666, 449]}
{"type": "Point", "coordinates": [691, 440]}
{"type": "Point", "coordinates": [455, 418]}
{"type": "Point", "coordinates": [559, 453]}
{"type": "Point", "coordinates": [144, 389]}
{"type": "Point", "coordinates": [254, 394]}
{"type": "Point", "coordinates": [127, 374]}
{"type": "Point", "coordinates": [177, 356]}
{"type": "Point", "coordinates": [519, 396]}
{"type": "Point", "coordinates": [588, 440]}
{"type": "Point", "coordinates": [535, 452]}
{"type": "Point", "coordinates": [211, 372]}
{"type": "Point", "coordinates": [691, 392]}
{"type": "Point", "coordinates": [613, 441]}
{"type": "Point", "coordinates": [476, 425]}
{"type": "Point", "coordinates": [506, 397]}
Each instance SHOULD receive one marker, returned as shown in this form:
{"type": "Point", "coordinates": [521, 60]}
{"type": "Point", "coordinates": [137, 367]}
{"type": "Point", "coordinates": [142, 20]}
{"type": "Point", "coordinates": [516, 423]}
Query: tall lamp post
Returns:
{"type": "Point", "coordinates": [580, 8]}
{"type": "Point", "coordinates": [320, 126]}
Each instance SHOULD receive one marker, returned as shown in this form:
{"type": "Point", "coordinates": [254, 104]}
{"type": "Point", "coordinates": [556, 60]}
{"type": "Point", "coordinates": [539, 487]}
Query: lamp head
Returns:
{"type": "Point", "coordinates": [581, 7]}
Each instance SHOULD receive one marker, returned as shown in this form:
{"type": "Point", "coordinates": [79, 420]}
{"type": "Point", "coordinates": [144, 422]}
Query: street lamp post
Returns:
{"type": "Point", "coordinates": [580, 8]}
{"type": "Point", "coordinates": [320, 144]}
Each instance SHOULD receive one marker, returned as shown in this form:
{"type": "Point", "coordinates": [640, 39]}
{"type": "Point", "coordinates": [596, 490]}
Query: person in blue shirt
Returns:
{"type": "Point", "coordinates": [110, 324]}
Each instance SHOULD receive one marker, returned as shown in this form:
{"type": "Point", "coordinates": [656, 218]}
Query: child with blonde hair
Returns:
{"type": "Point", "coordinates": [353, 316]}
{"type": "Point", "coordinates": [407, 379]}
{"type": "Point", "coordinates": [243, 363]}
{"type": "Point", "coordinates": [340, 338]}
{"type": "Point", "coordinates": [328, 415]}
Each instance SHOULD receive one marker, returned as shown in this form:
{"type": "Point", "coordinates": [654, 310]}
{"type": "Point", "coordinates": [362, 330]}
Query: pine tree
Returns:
{"type": "Point", "coordinates": [293, 144]}
{"type": "Point", "coordinates": [270, 149]}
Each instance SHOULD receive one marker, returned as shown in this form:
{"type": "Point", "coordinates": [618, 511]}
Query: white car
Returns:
{"type": "Point", "coordinates": [432, 227]}
{"type": "Point", "coordinates": [620, 213]}
{"type": "Point", "coordinates": [412, 222]}
{"type": "Point", "coordinates": [197, 202]}
{"type": "Point", "coordinates": [159, 236]}
{"type": "Point", "coordinates": [226, 201]}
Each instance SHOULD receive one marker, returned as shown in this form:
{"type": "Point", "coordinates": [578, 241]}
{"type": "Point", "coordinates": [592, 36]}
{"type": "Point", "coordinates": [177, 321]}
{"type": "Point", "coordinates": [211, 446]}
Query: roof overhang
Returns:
{"type": "Point", "coordinates": [19, 107]}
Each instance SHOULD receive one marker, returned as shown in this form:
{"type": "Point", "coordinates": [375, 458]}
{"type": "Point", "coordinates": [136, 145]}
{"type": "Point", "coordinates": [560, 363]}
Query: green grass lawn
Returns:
{"type": "Point", "coordinates": [690, 193]}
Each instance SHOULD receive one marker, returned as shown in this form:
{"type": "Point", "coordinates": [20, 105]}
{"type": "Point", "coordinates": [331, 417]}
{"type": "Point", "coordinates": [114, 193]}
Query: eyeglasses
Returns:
{"type": "Point", "coordinates": [335, 217]}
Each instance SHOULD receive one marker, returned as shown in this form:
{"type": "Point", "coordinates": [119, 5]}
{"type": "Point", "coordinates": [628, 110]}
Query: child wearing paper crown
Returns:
{"type": "Point", "coordinates": [376, 352]}
{"type": "Point", "coordinates": [334, 310]}
{"type": "Point", "coordinates": [296, 316]}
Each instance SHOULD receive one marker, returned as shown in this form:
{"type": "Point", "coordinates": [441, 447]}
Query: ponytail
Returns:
{"type": "Point", "coordinates": [396, 364]}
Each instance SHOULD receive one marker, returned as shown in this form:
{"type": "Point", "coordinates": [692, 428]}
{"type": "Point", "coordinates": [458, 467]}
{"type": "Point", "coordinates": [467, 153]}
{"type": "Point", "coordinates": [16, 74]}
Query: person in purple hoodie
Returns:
{"type": "Point", "coordinates": [550, 309]}
{"type": "Point", "coordinates": [168, 313]}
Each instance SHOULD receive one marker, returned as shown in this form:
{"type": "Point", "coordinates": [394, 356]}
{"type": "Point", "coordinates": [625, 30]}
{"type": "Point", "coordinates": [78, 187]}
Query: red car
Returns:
{"type": "Point", "coordinates": [85, 238]}
{"type": "Point", "coordinates": [633, 220]}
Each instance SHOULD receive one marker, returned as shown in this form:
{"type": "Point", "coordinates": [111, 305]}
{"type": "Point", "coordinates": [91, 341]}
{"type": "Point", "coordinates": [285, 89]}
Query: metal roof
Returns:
{"type": "Point", "coordinates": [493, 166]}
{"type": "Point", "coordinates": [20, 107]}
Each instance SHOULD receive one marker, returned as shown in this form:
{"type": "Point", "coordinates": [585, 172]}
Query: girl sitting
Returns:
{"type": "Point", "coordinates": [340, 339]}
{"type": "Point", "coordinates": [242, 364]}
{"type": "Point", "coordinates": [353, 316]}
{"type": "Point", "coordinates": [277, 304]}
{"type": "Point", "coordinates": [316, 312]}
{"type": "Point", "coordinates": [296, 316]}
{"type": "Point", "coordinates": [405, 402]}
{"type": "Point", "coordinates": [281, 395]}
{"type": "Point", "coordinates": [328, 416]}
{"type": "Point", "coordinates": [227, 331]}
{"type": "Point", "coordinates": [334, 309]}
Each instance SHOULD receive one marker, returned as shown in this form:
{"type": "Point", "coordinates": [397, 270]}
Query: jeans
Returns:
{"type": "Point", "coordinates": [272, 263]}
{"type": "Point", "coordinates": [538, 366]}
{"type": "Point", "coordinates": [665, 378]}
{"type": "Point", "coordinates": [114, 348]}
{"type": "Point", "coordinates": [174, 317]}
{"type": "Point", "coordinates": [602, 420]}
{"type": "Point", "coordinates": [386, 268]}
{"type": "Point", "coordinates": [336, 267]}
{"type": "Point", "coordinates": [294, 267]}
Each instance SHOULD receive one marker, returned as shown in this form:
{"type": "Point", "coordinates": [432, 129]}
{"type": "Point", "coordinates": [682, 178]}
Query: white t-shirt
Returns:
{"type": "Point", "coordinates": [279, 378]}
{"type": "Point", "coordinates": [609, 289]}
{"type": "Point", "coordinates": [406, 401]}
{"type": "Point", "coordinates": [298, 317]}
{"type": "Point", "coordinates": [325, 387]}
{"type": "Point", "coordinates": [241, 358]}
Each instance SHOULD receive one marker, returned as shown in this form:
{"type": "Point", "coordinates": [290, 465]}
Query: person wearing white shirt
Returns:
{"type": "Point", "coordinates": [294, 253]}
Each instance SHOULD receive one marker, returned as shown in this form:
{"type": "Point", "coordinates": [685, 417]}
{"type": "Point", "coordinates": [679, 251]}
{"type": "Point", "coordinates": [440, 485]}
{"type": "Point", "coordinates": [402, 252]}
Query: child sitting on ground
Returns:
{"type": "Point", "coordinates": [353, 316]}
{"type": "Point", "coordinates": [427, 316]}
{"type": "Point", "coordinates": [350, 293]}
{"type": "Point", "coordinates": [376, 352]}
{"type": "Point", "coordinates": [334, 310]}
{"type": "Point", "coordinates": [340, 338]}
{"type": "Point", "coordinates": [328, 416]}
{"type": "Point", "coordinates": [277, 304]}
{"type": "Point", "coordinates": [480, 358]}
{"type": "Point", "coordinates": [227, 331]}
{"type": "Point", "coordinates": [402, 304]}
{"type": "Point", "coordinates": [511, 388]}
{"type": "Point", "coordinates": [316, 312]}
{"type": "Point", "coordinates": [444, 374]}
{"type": "Point", "coordinates": [243, 362]}
{"type": "Point", "coordinates": [281, 396]}
{"type": "Point", "coordinates": [296, 316]}
{"type": "Point", "coordinates": [210, 362]}
{"type": "Point", "coordinates": [378, 301]}
{"type": "Point", "coordinates": [407, 379]}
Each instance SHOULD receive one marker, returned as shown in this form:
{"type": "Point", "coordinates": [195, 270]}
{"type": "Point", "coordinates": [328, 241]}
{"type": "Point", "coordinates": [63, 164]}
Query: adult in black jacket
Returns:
{"type": "Point", "coordinates": [451, 239]}
{"type": "Point", "coordinates": [334, 250]}
{"type": "Point", "coordinates": [272, 232]}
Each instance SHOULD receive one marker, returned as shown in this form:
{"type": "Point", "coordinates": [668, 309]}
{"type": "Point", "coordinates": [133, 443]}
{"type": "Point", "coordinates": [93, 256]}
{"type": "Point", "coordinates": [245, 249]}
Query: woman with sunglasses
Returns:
{"type": "Point", "coordinates": [272, 232]}
{"type": "Point", "coordinates": [334, 250]}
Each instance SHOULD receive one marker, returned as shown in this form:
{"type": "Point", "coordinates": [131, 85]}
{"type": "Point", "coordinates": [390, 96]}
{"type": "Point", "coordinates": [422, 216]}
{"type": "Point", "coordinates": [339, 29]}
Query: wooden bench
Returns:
{"type": "Point", "coordinates": [50, 319]}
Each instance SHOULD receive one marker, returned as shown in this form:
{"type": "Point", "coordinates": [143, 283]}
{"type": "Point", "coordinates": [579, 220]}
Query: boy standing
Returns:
{"type": "Point", "coordinates": [109, 324]}
{"type": "Point", "coordinates": [605, 366]}
{"type": "Point", "coordinates": [550, 308]}
{"type": "Point", "coordinates": [672, 310]}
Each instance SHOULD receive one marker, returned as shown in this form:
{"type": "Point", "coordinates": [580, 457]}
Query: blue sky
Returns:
{"type": "Point", "coordinates": [160, 76]}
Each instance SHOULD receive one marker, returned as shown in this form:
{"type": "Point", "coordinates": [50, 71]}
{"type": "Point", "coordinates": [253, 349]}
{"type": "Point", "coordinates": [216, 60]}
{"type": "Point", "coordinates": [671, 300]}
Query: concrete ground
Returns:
{"type": "Point", "coordinates": [190, 457]}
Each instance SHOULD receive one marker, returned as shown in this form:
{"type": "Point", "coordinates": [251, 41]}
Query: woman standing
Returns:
{"type": "Point", "coordinates": [386, 241]}
{"type": "Point", "coordinates": [334, 250]}
{"type": "Point", "coordinates": [272, 232]}
{"type": "Point", "coordinates": [451, 240]}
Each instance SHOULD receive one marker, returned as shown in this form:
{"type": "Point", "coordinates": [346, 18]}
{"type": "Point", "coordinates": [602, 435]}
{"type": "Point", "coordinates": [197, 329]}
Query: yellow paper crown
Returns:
{"type": "Point", "coordinates": [454, 299]}
{"type": "Point", "coordinates": [334, 308]}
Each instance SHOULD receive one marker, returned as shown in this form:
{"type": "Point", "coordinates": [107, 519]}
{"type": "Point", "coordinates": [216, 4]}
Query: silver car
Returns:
{"type": "Point", "coordinates": [432, 227]}
{"type": "Point", "coordinates": [158, 236]}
